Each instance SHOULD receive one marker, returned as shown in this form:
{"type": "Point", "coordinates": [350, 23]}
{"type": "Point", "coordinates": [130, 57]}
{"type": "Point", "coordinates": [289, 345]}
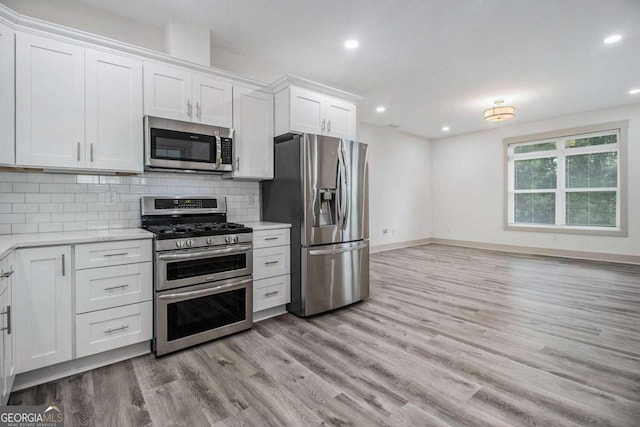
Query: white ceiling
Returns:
{"type": "Point", "coordinates": [433, 62]}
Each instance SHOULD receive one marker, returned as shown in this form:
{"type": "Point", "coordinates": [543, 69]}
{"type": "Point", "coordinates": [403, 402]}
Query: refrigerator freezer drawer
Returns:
{"type": "Point", "coordinates": [334, 276]}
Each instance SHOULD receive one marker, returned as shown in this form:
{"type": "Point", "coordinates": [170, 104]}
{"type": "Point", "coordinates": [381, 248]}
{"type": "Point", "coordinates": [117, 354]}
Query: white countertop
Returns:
{"type": "Point", "coordinates": [266, 225]}
{"type": "Point", "coordinates": [16, 241]}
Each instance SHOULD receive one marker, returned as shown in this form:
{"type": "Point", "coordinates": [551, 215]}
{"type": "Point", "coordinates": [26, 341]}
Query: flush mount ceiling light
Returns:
{"type": "Point", "coordinates": [634, 91]}
{"type": "Point", "coordinates": [613, 39]}
{"type": "Point", "coordinates": [499, 113]}
{"type": "Point", "coordinates": [381, 109]}
{"type": "Point", "coordinates": [351, 44]}
{"type": "Point", "coordinates": [445, 128]}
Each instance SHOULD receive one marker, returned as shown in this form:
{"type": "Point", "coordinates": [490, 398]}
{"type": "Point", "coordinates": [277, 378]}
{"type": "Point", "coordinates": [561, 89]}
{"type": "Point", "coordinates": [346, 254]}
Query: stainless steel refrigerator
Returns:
{"type": "Point", "coordinates": [321, 187]}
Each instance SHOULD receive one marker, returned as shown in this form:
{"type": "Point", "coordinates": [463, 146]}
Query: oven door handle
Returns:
{"type": "Point", "coordinates": [203, 254]}
{"type": "Point", "coordinates": [207, 291]}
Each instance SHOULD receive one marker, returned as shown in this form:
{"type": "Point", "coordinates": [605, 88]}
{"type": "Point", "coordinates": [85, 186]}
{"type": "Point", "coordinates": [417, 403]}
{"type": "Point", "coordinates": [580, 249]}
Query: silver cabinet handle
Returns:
{"type": "Point", "coordinates": [63, 265]}
{"type": "Point", "coordinates": [8, 313]}
{"type": "Point", "coordinates": [271, 262]}
{"type": "Point", "coordinates": [118, 254]}
{"type": "Point", "coordinates": [329, 126]}
{"type": "Point", "coordinates": [270, 238]}
{"type": "Point", "coordinates": [189, 108]}
{"type": "Point", "coordinates": [268, 294]}
{"type": "Point", "coordinates": [116, 287]}
{"type": "Point", "coordinates": [91, 151]}
{"type": "Point", "coordinates": [6, 274]}
{"type": "Point", "coordinates": [121, 328]}
{"type": "Point", "coordinates": [323, 121]}
{"type": "Point", "coordinates": [78, 150]}
{"type": "Point", "coordinates": [197, 109]}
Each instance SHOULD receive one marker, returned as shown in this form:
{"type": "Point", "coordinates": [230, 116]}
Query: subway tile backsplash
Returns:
{"type": "Point", "coordinates": [46, 202]}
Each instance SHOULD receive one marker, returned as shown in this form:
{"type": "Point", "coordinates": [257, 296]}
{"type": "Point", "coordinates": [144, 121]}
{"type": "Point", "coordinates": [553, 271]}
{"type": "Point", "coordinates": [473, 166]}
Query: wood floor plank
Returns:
{"type": "Point", "coordinates": [449, 337]}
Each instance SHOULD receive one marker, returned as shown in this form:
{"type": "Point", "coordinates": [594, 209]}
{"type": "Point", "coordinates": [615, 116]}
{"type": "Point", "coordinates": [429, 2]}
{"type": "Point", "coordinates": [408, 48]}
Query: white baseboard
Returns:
{"type": "Point", "coordinates": [399, 245]}
{"type": "Point", "coordinates": [269, 313]}
{"type": "Point", "coordinates": [72, 367]}
{"type": "Point", "coordinates": [562, 253]}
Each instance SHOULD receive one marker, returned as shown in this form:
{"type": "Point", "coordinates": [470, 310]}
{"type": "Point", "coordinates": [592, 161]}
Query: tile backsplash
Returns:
{"type": "Point", "coordinates": [45, 202]}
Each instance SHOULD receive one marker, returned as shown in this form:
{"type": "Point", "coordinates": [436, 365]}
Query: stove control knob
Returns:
{"type": "Point", "coordinates": [228, 239]}
{"type": "Point", "coordinates": [180, 243]}
{"type": "Point", "coordinates": [209, 241]}
{"type": "Point", "coordinates": [236, 239]}
{"type": "Point", "coordinates": [190, 243]}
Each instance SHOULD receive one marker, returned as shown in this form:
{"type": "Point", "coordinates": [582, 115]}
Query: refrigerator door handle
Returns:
{"type": "Point", "coordinates": [338, 251]}
{"type": "Point", "coordinates": [346, 191]}
{"type": "Point", "coordinates": [339, 191]}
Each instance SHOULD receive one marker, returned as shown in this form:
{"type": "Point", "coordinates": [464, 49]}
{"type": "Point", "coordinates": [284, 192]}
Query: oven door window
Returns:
{"type": "Point", "coordinates": [193, 316]}
{"type": "Point", "coordinates": [205, 266]}
{"type": "Point", "coordinates": [181, 146]}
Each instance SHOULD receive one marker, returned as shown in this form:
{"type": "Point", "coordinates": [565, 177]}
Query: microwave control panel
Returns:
{"type": "Point", "coordinates": [226, 151]}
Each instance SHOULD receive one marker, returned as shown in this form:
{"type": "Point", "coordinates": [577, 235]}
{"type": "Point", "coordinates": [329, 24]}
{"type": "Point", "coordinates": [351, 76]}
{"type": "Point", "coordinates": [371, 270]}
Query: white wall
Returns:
{"type": "Point", "coordinates": [467, 187]}
{"type": "Point", "coordinates": [399, 185]}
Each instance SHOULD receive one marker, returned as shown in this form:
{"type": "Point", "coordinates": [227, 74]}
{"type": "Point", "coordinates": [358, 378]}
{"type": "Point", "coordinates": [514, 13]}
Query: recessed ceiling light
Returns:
{"type": "Point", "coordinates": [351, 44]}
{"type": "Point", "coordinates": [380, 109]}
{"type": "Point", "coordinates": [634, 91]}
{"type": "Point", "coordinates": [613, 39]}
{"type": "Point", "coordinates": [445, 128]}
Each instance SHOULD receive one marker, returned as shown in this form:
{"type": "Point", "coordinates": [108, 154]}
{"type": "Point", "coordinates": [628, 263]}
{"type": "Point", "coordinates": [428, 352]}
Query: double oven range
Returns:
{"type": "Point", "coordinates": [203, 269]}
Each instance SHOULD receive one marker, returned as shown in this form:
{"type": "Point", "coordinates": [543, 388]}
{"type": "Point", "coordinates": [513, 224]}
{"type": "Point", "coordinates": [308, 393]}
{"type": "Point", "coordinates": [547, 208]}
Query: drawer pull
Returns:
{"type": "Point", "coordinates": [271, 238]}
{"type": "Point", "coordinates": [118, 254]}
{"type": "Point", "coordinates": [271, 262]}
{"type": "Point", "coordinates": [116, 287]}
{"type": "Point", "coordinates": [268, 294]}
{"type": "Point", "coordinates": [121, 328]}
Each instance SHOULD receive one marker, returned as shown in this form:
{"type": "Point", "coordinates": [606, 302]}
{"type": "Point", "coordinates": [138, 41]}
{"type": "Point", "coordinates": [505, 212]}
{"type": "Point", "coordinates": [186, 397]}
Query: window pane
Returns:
{"type": "Point", "coordinates": [593, 140]}
{"type": "Point", "coordinates": [592, 208]}
{"type": "Point", "coordinates": [536, 174]}
{"type": "Point", "coordinates": [545, 146]}
{"type": "Point", "coordinates": [592, 170]}
{"type": "Point", "coordinates": [535, 208]}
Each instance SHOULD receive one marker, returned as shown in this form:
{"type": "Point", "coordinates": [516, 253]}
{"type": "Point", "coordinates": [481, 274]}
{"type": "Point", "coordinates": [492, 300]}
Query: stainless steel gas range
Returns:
{"type": "Point", "coordinates": [202, 270]}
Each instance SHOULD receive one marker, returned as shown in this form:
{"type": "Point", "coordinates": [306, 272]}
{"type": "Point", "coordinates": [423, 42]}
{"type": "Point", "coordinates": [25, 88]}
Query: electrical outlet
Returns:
{"type": "Point", "coordinates": [250, 200]}
{"type": "Point", "coordinates": [111, 199]}
{"type": "Point", "coordinates": [385, 231]}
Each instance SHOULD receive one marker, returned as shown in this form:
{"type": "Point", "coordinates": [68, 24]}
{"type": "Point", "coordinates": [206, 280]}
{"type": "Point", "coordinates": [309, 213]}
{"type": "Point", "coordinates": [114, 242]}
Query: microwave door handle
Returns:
{"type": "Point", "coordinates": [218, 149]}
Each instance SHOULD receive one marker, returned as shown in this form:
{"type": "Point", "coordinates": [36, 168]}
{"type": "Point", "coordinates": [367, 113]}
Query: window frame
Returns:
{"type": "Point", "coordinates": [561, 152]}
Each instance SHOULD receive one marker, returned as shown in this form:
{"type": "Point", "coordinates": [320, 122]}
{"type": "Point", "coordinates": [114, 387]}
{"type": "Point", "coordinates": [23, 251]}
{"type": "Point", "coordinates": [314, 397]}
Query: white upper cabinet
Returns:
{"type": "Point", "coordinates": [212, 101]}
{"type": "Point", "coordinates": [302, 106]}
{"type": "Point", "coordinates": [179, 94]}
{"type": "Point", "coordinates": [253, 133]}
{"type": "Point", "coordinates": [77, 107]}
{"type": "Point", "coordinates": [113, 112]}
{"type": "Point", "coordinates": [49, 102]}
{"type": "Point", "coordinates": [7, 105]}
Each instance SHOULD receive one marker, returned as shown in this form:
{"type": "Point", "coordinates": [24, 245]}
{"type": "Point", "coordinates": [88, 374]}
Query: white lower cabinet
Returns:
{"type": "Point", "coordinates": [43, 309]}
{"type": "Point", "coordinates": [108, 329]}
{"type": "Point", "coordinates": [7, 359]}
{"type": "Point", "coordinates": [271, 270]}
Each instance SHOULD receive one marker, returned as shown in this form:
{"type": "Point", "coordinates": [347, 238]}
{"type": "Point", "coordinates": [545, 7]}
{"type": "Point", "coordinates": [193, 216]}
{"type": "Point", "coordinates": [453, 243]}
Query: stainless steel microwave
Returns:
{"type": "Point", "coordinates": [172, 144]}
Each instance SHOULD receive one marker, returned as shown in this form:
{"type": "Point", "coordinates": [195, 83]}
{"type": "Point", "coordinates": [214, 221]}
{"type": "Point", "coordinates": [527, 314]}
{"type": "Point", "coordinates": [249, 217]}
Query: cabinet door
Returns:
{"type": "Point", "coordinates": [7, 105]}
{"type": "Point", "coordinates": [341, 119]}
{"type": "Point", "coordinates": [167, 92]}
{"type": "Point", "coordinates": [113, 112]}
{"type": "Point", "coordinates": [44, 314]}
{"type": "Point", "coordinates": [211, 101]}
{"type": "Point", "coordinates": [9, 371]}
{"type": "Point", "coordinates": [49, 102]}
{"type": "Point", "coordinates": [307, 111]}
{"type": "Point", "coordinates": [3, 347]}
{"type": "Point", "coordinates": [253, 136]}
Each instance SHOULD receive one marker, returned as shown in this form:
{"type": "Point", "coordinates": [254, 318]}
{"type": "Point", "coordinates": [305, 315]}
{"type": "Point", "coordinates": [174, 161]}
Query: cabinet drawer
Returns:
{"type": "Point", "coordinates": [270, 262]}
{"type": "Point", "coordinates": [269, 238]}
{"type": "Point", "coordinates": [107, 287]}
{"type": "Point", "coordinates": [116, 327]}
{"type": "Point", "coordinates": [112, 253]}
{"type": "Point", "coordinates": [271, 292]}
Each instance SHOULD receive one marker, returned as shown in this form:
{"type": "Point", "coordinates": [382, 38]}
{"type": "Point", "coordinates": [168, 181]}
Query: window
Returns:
{"type": "Point", "coordinates": [567, 181]}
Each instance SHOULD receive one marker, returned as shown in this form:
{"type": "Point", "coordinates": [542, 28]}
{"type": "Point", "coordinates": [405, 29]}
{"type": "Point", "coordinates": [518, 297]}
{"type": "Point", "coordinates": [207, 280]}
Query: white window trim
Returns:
{"type": "Point", "coordinates": [560, 136]}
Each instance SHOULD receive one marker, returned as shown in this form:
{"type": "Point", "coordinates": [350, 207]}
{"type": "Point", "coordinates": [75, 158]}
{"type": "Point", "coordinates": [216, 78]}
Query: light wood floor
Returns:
{"type": "Point", "coordinates": [449, 336]}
